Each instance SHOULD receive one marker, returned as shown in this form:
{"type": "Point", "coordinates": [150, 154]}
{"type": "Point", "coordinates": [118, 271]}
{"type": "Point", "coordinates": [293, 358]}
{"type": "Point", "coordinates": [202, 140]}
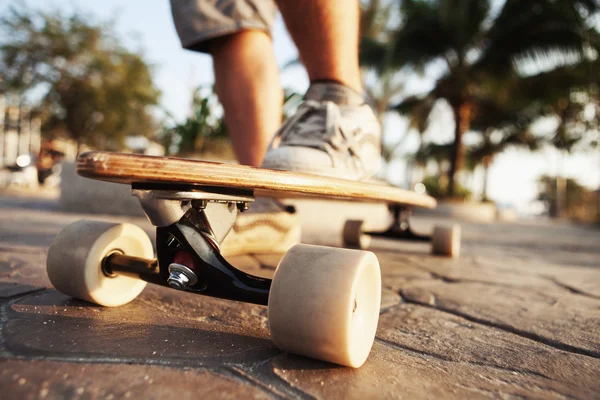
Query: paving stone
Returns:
{"type": "Point", "coordinates": [268, 261]}
{"type": "Point", "coordinates": [253, 264]}
{"type": "Point", "coordinates": [393, 373]}
{"type": "Point", "coordinates": [469, 269]}
{"type": "Point", "coordinates": [561, 244]}
{"type": "Point", "coordinates": [25, 264]}
{"type": "Point", "coordinates": [246, 263]}
{"type": "Point", "coordinates": [450, 337]}
{"type": "Point", "coordinates": [398, 270]}
{"type": "Point", "coordinates": [389, 298]}
{"type": "Point", "coordinates": [8, 290]}
{"type": "Point", "coordinates": [26, 222]}
{"type": "Point", "coordinates": [579, 280]}
{"type": "Point", "coordinates": [561, 319]}
{"type": "Point", "coordinates": [38, 379]}
{"type": "Point", "coordinates": [161, 324]}
{"type": "Point", "coordinates": [517, 271]}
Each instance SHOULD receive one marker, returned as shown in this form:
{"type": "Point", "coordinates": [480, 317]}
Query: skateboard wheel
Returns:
{"type": "Point", "coordinates": [324, 303]}
{"type": "Point", "coordinates": [445, 240]}
{"type": "Point", "coordinates": [353, 235]}
{"type": "Point", "coordinates": [75, 257]}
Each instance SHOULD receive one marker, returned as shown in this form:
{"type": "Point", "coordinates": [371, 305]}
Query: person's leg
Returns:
{"type": "Point", "coordinates": [236, 34]}
{"type": "Point", "coordinates": [247, 83]}
{"type": "Point", "coordinates": [326, 33]}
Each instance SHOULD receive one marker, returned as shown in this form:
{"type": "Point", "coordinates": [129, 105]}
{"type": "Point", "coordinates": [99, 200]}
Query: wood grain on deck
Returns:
{"type": "Point", "coordinates": [131, 168]}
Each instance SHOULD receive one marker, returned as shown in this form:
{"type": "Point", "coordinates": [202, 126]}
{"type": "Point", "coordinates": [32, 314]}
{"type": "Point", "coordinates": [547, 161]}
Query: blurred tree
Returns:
{"type": "Point", "coordinates": [204, 129]}
{"type": "Point", "coordinates": [204, 122]}
{"type": "Point", "coordinates": [579, 203]}
{"type": "Point", "coordinates": [383, 82]}
{"type": "Point", "coordinates": [291, 101]}
{"type": "Point", "coordinates": [437, 188]}
{"type": "Point", "coordinates": [473, 44]}
{"type": "Point", "coordinates": [570, 96]}
{"type": "Point", "coordinates": [381, 78]}
{"type": "Point", "coordinates": [501, 121]}
{"type": "Point", "coordinates": [93, 89]}
{"type": "Point", "coordinates": [504, 118]}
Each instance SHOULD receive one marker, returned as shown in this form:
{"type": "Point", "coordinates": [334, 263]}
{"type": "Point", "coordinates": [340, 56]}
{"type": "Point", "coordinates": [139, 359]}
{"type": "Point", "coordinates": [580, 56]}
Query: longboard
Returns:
{"type": "Point", "coordinates": [322, 302]}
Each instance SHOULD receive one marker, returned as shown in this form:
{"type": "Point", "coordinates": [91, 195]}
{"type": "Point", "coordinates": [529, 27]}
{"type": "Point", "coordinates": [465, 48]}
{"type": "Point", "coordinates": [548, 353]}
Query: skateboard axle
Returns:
{"type": "Point", "coordinates": [129, 266]}
{"type": "Point", "coordinates": [400, 228]}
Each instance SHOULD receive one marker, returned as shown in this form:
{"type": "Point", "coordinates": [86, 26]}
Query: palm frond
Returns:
{"type": "Point", "coordinates": [419, 109]}
{"type": "Point", "coordinates": [373, 53]}
{"type": "Point", "coordinates": [535, 30]}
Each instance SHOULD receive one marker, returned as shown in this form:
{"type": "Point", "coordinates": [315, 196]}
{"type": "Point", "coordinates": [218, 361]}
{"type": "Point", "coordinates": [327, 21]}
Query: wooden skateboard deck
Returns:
{"type": "Point", "coordinates": [176, 172]}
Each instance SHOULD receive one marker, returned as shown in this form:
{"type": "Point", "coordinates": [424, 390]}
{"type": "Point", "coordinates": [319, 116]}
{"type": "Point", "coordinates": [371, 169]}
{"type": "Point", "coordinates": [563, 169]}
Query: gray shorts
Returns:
{"type": "Point", "coordinates": [199, 21]}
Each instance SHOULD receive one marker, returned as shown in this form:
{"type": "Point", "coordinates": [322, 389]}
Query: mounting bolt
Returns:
{"type": "Point", "coordinates": [181, 277]}
{"type": "Point", "coordinates": [243, 206]}
{"type": "Point", "coordinates": [171, 240]}
{"type": "Point", "coordinates": [199, 204]}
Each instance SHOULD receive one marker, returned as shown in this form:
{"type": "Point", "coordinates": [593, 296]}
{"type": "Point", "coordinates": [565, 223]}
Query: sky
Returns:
{"type": "Point", "coordinates": [147, 25]}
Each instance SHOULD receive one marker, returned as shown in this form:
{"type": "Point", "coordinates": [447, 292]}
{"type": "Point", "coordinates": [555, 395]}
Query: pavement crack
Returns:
{"type": "Point", "coordinates": [243, 377]}
{"type": "Point", "coordinates": [507, 328]}
{"type": "Point", "coordinates": [13, 298]}
{"type": "Point", "coordinates": [88, 358]}
{"type": "Point", "coordinates": [571, 289]}
{"type": "Point", "coordinates": [263, 372]}
{"type": "Point", "coordinates": [448, 359]}
{"type": "Point", "coordinates": [5, 304]}
{"type": "Point", "coordinates": [385, 310]}
{"type": "Point", "coordinates": [450, 280]}
{"type": "Point", "coordinates": [443, 278]}
{"type": "Point", "coordinates": [277, 387]}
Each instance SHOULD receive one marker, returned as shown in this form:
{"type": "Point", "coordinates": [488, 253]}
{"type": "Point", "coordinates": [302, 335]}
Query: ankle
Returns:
{"type": "Point", "coordinates": [238, 45]}
{"type": "Point", "coordinates": [347, 80]}
{"type": "Point", "coordinates": [336, 92]}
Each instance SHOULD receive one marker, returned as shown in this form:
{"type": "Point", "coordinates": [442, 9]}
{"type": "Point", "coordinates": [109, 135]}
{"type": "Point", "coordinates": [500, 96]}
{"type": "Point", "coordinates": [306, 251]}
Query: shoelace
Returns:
{"type": "Point", "coordinates": [315, 125]}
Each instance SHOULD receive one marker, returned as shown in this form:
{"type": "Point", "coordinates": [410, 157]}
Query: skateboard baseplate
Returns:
{"type": "Point", "coordinates": [322, 302]}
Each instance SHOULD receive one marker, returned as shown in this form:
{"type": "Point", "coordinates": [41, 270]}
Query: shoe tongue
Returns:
{"type": "Point", "coordinates": [334, 92]}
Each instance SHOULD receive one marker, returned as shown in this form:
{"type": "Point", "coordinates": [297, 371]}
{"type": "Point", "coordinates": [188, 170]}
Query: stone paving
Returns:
{"type": "Point", "coordinates": [517, 316]}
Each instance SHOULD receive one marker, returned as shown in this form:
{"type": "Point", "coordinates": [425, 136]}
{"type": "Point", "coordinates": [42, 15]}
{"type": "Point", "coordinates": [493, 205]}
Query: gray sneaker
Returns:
{"type": "Point", "coordinates": [334, 133]}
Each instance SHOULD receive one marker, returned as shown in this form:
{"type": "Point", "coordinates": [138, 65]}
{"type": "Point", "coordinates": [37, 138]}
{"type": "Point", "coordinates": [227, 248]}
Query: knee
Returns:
{"type": "Point", "coordinates": [236, 43]}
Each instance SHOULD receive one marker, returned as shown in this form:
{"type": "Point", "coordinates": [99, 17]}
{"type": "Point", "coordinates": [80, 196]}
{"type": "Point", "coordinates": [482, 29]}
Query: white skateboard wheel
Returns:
{"type": "Point", "coordinates": [445, 240]}
{"type": "Point", "coordinates": [353, 235]}
{"type": "Point", "coordinates": [324, 303]}
{"type": "Point", "coordinates": [75, 259]}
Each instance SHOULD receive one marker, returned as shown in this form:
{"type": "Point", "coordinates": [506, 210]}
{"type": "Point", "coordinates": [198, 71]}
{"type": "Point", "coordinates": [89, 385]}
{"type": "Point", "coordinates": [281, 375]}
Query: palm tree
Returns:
{"type": "Point", "coordinates": [502, 121]}
{"type": "Point", "coordinates": [383, 82]}
{"type": "Point", "coordinates": [475, 44]}
{"type": "Point", "coordinates": [504, 118]}
{"type": "Point", "coordinates": [376, 30]}
{"type": "Point", "coordinates": [567, 94]}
